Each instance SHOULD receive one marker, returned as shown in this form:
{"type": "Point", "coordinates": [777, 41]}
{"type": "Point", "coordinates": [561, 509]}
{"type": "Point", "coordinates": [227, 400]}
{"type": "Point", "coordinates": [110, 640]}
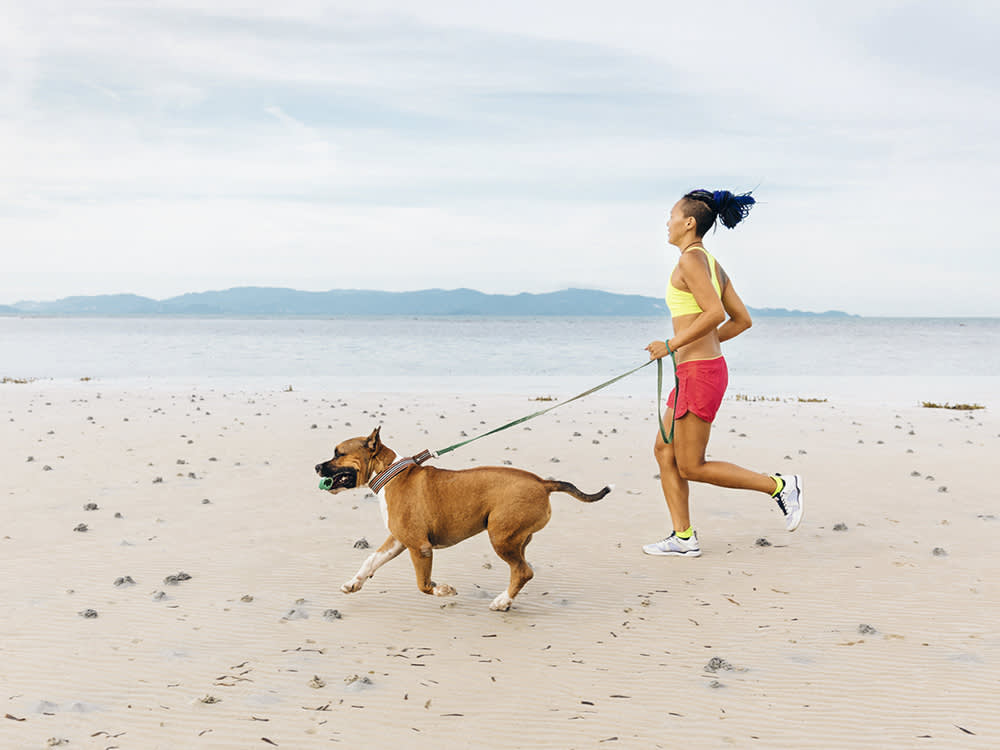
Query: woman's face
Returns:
{"type": "Point", "coordinates": [677, 224]}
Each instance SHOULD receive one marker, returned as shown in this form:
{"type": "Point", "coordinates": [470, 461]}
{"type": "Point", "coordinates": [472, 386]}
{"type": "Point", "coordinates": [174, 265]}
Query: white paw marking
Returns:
{"type": "Point", "coordinates": [351, 586]}
{"type": "Point", "coordinates": [444, 590]}
{"type": "Point", "coordinates": [501, 603]}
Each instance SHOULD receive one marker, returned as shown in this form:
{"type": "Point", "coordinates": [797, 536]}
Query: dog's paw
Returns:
{"type": "Point", "coordinates": [501, 603]}
{"type": "Point", "coordinates": [351, 586]}
{"type": "Point", "coordinates": [444, 589]}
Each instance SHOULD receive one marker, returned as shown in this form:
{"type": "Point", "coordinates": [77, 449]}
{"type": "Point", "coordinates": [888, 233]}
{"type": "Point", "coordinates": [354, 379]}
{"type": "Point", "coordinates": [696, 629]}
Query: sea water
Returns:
{"type": "Point", "coordinates": [869, 360]}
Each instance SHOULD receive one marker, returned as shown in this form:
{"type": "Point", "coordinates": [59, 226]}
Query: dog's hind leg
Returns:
{"type": "Point", "coordinates": [511, 551]}
{"type": "Point", "coordinates": [390, 548]}
{"type": "Point", "coordinates": [423, 559]}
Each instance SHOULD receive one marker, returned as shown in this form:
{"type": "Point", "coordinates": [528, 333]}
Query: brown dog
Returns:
{"type": "Point", "coordinates": [426, 508]}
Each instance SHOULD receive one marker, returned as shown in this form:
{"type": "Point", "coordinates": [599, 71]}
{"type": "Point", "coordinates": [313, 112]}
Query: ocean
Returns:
{"type": "Point", "coordinates": [871, 360]}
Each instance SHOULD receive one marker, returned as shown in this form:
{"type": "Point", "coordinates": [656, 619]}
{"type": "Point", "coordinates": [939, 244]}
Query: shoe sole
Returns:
{"type": "Point", "coordinates": [798, 517]}
{"type": "Point", "coordinates": [692, 553]}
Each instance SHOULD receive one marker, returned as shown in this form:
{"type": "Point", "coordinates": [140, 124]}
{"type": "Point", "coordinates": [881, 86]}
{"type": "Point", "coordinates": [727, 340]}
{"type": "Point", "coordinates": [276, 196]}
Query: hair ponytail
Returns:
{"type": "Point", "coordinates": [730, 209]}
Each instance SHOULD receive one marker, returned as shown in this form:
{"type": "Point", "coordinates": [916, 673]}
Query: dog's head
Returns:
{"type": "Point", "coordinates": [354, 462]}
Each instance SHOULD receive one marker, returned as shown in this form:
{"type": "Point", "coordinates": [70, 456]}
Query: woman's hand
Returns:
{"type": "Point", "coordinates": [658, 349]}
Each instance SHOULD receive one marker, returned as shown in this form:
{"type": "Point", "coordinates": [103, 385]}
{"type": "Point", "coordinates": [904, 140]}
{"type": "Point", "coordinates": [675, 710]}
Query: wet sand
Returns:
{"type": "Point", "coordinates": [197, 602]}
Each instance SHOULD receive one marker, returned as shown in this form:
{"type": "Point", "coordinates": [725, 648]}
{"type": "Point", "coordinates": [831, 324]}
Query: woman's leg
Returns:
{"type": "Point", "coordinates": [675, 487]}
{"type": "Point", "coordinates": [691, 435]}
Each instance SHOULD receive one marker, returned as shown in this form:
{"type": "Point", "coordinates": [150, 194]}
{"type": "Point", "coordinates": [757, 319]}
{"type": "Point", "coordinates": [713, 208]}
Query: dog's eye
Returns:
{"type": "Point", "coordinates": [337, 453]}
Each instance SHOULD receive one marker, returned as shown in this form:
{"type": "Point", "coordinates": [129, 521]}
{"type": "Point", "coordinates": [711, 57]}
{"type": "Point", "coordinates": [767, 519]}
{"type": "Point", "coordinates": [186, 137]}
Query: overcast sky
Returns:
{"type": "Point", "coordinates": [168, 146]}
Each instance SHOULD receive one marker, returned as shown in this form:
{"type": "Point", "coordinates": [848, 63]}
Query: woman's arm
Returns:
{"type": "Point", "coordinates": [739, 316]}
{"type": "Point", "coordinates": [695, 272]}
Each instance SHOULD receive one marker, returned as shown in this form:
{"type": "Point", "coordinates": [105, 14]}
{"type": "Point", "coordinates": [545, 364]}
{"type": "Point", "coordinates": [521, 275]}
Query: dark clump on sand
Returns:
{"type": "Point", "coordinates": [717, 663]}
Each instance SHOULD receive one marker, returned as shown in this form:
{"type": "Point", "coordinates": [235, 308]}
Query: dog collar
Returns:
{"type": "Point", "coordinates": [381, 479]}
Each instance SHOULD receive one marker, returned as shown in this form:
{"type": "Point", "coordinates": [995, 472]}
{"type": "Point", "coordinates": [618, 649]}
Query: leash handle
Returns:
{"type": "Point", "coordinates": [659, 398]}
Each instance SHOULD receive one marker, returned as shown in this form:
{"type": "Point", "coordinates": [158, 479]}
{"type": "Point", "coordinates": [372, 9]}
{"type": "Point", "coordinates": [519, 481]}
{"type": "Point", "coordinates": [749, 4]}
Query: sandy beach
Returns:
{"type": "Point", "coordinates": [172, 579]}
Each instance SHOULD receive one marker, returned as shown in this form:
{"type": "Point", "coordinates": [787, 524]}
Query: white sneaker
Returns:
{"type": "Point", "coordinates": [790, 501]}
{"type": "Point", "coordinates": [674, 545]}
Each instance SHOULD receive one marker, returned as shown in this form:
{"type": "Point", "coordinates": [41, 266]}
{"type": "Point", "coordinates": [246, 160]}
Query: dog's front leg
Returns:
{"type": "Point", "coordinates": [390, 548]}
{"type": "Point", "coordinates": [422, 559]}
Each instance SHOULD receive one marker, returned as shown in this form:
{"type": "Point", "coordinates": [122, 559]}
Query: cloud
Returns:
{"type": "Point", "coordinates": [518, 148]}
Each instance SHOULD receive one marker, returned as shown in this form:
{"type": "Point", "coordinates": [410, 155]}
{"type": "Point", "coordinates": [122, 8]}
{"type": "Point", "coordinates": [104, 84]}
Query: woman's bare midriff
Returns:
{"type": "Point", "coordinates": [707, 347]}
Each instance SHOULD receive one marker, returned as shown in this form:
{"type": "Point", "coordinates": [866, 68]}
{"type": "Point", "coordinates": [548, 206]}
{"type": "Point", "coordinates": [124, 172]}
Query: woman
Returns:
{"type": "Point", "coordinates": [700, 296]}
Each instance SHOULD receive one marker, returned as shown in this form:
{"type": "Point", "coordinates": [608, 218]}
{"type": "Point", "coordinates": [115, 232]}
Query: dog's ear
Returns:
{"type": "Point", "coordinates": [374, 442]}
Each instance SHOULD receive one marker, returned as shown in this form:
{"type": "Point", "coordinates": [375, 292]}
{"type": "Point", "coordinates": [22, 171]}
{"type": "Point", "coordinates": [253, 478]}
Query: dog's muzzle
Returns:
{"type": "Point", "coordinates": [337, 478]}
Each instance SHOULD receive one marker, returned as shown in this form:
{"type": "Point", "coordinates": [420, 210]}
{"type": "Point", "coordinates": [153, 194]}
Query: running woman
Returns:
{"type": "Point", "coordinates": [700, 297]}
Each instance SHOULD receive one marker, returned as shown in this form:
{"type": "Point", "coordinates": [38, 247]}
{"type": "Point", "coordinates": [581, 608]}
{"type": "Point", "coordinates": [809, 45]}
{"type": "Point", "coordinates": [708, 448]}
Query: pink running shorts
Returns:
{"type": "Point", "coordinates": [702, 385]}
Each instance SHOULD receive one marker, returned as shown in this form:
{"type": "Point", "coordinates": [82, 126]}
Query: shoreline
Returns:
{"type": "Point", "coordinates": [849, 390]}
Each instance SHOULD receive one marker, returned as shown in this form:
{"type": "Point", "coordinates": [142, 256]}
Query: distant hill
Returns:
{"type": "Point", "coordinates": [106, 304]}
{"type": "Point", "coordinates": [271, 301]}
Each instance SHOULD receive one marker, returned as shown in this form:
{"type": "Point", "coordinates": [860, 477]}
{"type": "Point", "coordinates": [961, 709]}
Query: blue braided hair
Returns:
{"type": "Point", "coordinates": [730, 209]}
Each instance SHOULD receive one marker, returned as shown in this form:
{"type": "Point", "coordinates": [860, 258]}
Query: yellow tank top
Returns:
{"type": "Point", "coordinates": [684, 303]}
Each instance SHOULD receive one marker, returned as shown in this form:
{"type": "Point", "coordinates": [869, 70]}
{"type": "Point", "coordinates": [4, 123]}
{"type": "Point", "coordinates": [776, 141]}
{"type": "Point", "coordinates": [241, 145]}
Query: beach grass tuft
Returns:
{"type": "Point", "coordinates": [811, 400]}
{"type": "Point", "coordinates": [22, 381]}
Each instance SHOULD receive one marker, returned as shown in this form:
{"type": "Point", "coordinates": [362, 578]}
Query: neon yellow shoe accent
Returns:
{"type": "Point", "coordinates": [780, 485]}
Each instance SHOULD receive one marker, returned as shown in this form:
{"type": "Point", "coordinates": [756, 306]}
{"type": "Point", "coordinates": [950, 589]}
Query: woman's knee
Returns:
{"type": "Point", "coordinates": [663, 452]}
{"type": "Point", "coordinates": [690, 469]}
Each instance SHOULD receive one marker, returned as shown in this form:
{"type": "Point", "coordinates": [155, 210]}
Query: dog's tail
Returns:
{"type": "Point", "coordinates": [571, 489]}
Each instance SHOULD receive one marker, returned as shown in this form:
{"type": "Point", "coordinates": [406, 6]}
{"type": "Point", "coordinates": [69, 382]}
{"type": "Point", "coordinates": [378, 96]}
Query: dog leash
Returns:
{"type": "Point", "coordinates": [383, 477]}
{"type": "Point", "coordinates": [556, 406]}
{"type": "Point", "coordinates": [659, 397]}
